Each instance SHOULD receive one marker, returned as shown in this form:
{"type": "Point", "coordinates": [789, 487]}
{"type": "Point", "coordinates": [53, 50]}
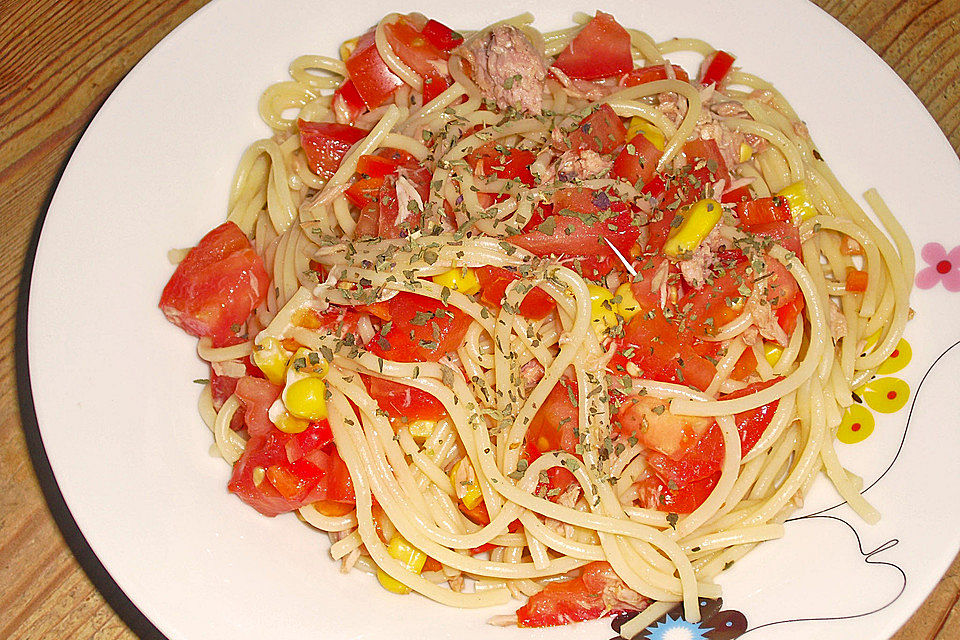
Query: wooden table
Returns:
{"type": "Point", "coordinates": [58, 62]}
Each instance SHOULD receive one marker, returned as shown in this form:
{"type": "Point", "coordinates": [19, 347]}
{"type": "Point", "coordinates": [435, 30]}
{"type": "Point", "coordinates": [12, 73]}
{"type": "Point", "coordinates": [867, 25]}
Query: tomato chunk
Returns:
{"type": "Point", "coordinates": [715, 68]}
{"type": "Point", "coordinates": [581, 598]}
{"type": "Point", "coordinates": [371, 76]}
{"type": "Point", "coordinates": [601, 131]}
{"type": "Point", "coordinates": [600, 50]}
{"type": "Point", "coordinates": [217, 285]}
{"type": "Point", "coordinates": [421, 329]}
{"type": "Point", "coordinates": [637, 161]}
{"type": "Point", "coordinates": [652, 73]}
{"type": "Point", "coordinates": [441, 36]}
{"type": "Point", "coordinates": [326, 143]}
{"type": "Point", "coordinates": [404, 401]}
{"type": "Point", "coordinates": [493, 285]}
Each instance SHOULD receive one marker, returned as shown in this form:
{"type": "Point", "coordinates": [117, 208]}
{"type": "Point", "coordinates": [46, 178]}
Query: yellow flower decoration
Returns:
{"type": "Point", "coordinates": [856, 426]}
{"type": "Point", "coordinates": [883, 395]}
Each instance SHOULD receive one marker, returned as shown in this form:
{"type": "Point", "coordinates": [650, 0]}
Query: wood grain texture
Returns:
{"type": "Point", "coordinates": [58, 63]}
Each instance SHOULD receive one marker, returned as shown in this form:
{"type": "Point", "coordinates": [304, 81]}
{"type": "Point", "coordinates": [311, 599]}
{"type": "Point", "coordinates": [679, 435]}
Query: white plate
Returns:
{"type": "Point", "coordinates": [112, 380]}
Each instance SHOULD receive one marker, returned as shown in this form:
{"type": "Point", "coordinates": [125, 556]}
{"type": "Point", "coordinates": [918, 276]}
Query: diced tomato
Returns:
{"type": "Point", "coordinates": [554, 426]}
{"type": "Point", "coordinates": [714, 304]}
{"type": "Point", "coordinates": [763, 210]}
{"type": "Point", "coordinates": [850, 247]}
{"type": "Point", "coordinates": [297, 470]}
{"type": "Point", "coordinates": [421, 329]}
{"type": "Point", "coordinates": [736, 196]}
{"type": "Point", "coordinates": [390, 224]}
{"type": "Point", "coordinates": [751, 424]}
{"type": "Point", "coordinates": [601, 131]}
{"type": "Point", "coordinates": [786, 234]}
{"type": "Point", "coordinates": [856, 280]}
{"type": "Point", "coordinates": [746, 365]}
{"type": "Point", "coordinates": [326, 143]}
{"type": "Point", "coordinates": [600, 50]}
{"type": "Point", "coordinates": [708, 151]}
{"type": "Point", "coordinates": [416, 51]}
{"type": "Point", "coordinates": [371, 76]}
{"type": "Point", "coordinates": [364, 192]}
{"type": "Point", "coordinates": [506, 164]}
{"type": "Point", "coordinates": [789, 314]}
{"type": "Point", "coordinates": [434, 83]}
{"type": "Point", "coordinates": [376, 166]}
{"type": "Point", "coordinates": [257, 395]}
{"type": "Point", "coordinates": [559, 479]}
{"type": "Point", "coordinates": [637, 161]}
{"type": "Point", "coordinates": [652, 73]}
{"type": "Point", "coordinates": [596, 221]}
{"type": "Point", "coordinates": [216, 286]}
{"type": "Point", "coordinates": [403, 401]}
{"type": "Point", "coordinates": [493, 284]}
{"type": "Point", "coordinates": [441, 36]}
{"type": "Point", "coordinates": [348, 99]}
{"type": "Point", "coordinates": [575, 600]}
{"type": "Point", "coordinates": [652, 343]}
{"type": "Point", "coordinates": [715, 68]}
{"type": "Point", "coordinates": [654, 493]}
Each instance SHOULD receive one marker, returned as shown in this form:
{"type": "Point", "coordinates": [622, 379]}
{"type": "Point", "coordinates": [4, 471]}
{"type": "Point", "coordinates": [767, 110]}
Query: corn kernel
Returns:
{"type": "Point", "coordinates": [307, 362]}
{"type": "Point", "coordinates": [272, 359]}
{"type": "Point", "coordinates": [464, 481]}
{"type": "Point", "coordinates": [698, 220]}
{"type": "Point", "coordinates": [259, 473]}
{"type": "Point", "coordinates": [347, 48]}
{"type": "Point", "coordinates": [628, 305]}
{"type": "Point", "coordinates": [289, 424]}
{"type": "Point", "coordinates": [391, 584]}
{"type": "Point", "coordinates": [800, 205]}
{"type": "Point", "coordinates": [746, 152]}
{"type": "Point", "coordinates": [459, 279]}
{"type": "Point", "coordinates": [409, 556]}
{"type": "Point", "coordinates": [602, 313]}
{"type": "Point", "coordinates": [420, 430]}
{"type": "Point", "coordinates": [772, 352]}
{"type": "Point", "coordinates": [650, 132]}
{"type": "Point", "coordinates": [307, 398]}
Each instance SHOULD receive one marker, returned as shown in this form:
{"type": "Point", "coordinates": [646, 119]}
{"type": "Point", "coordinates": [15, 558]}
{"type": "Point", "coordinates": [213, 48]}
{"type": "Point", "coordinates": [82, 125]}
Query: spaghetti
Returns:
{"type": "Point", "coordinates": [537, 316]}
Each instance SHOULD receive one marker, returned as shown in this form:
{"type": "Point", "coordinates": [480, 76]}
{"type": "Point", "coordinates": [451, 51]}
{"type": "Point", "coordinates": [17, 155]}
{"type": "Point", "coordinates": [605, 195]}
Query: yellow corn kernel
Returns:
{"type": "Point", "coordinates": [464, 481]}
{"type": "Point", "coordinates": [800, 205]}
{"type": "Point", "coordinates": [272, 359]}
{"type": "Point", "coordinates": [307, 398]}
{"type": "Point", "coordinates": [259, 473]}
{"type": "Point", "coordinates": [772, 352]}
{"type": "Point", "coordinates": [391, 584]}
{"type": "Point", "coordinates": [697, 221]}
{"type": "Point", "coordinates": [307, 362]}
{"type": "Point", "coordinates": [409, 556]}
{"type": "Point", "coordinates": [746, 152]}
{"type": "Point", "coordinates": [420, 430]}
{"type": "Point", "coordinates": [289, 424]}
{"type": "Point", "coordinates": [602, 313]}
{"type": "Point", "coordinates": [650, 132]}
{"type": "Point", "coordinates": [459, 279]}
{"type": "Point", "coordinates": [347, 48]}
{"type": "Point", "coordinates": [628, 306]}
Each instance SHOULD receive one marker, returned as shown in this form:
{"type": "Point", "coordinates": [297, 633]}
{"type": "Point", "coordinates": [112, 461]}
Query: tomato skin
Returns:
{"type": "Point", "coordinates": [326, 143]}
{"type": "Point", "coordinates": [364, 192]}
{"type": "Point", "coordinates": [715, 68]}
{"type": "Point", "coordinates": [216, 286]}
{"type": "Point", "coordinates": [536, 305]}
{"type": "Point", "coordinates": [574, 600]}
{"type": "Point", "coordinates": [371, 76]}
{"type": "Point", "coordinates": [427, 341]}
{"type": "Point", "coordinates": [403, 401]}
{"type": "Point", "coordinates": [652, 73]}
{"type": "Point", "coordinates": [600, 50]}
{"type": "Point", "coordinates": [637, 161]}
{"type": "Point", "coordinates": [602, 131]}
{"type": "Point", "coordinates": [786, 234]}
{"type": "Point", "coordinates": [441, 36]}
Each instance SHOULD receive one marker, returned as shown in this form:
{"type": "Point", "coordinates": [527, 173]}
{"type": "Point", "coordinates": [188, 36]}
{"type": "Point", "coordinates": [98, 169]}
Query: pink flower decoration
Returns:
{"type": "Point", "coordinates": [944, 267]}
